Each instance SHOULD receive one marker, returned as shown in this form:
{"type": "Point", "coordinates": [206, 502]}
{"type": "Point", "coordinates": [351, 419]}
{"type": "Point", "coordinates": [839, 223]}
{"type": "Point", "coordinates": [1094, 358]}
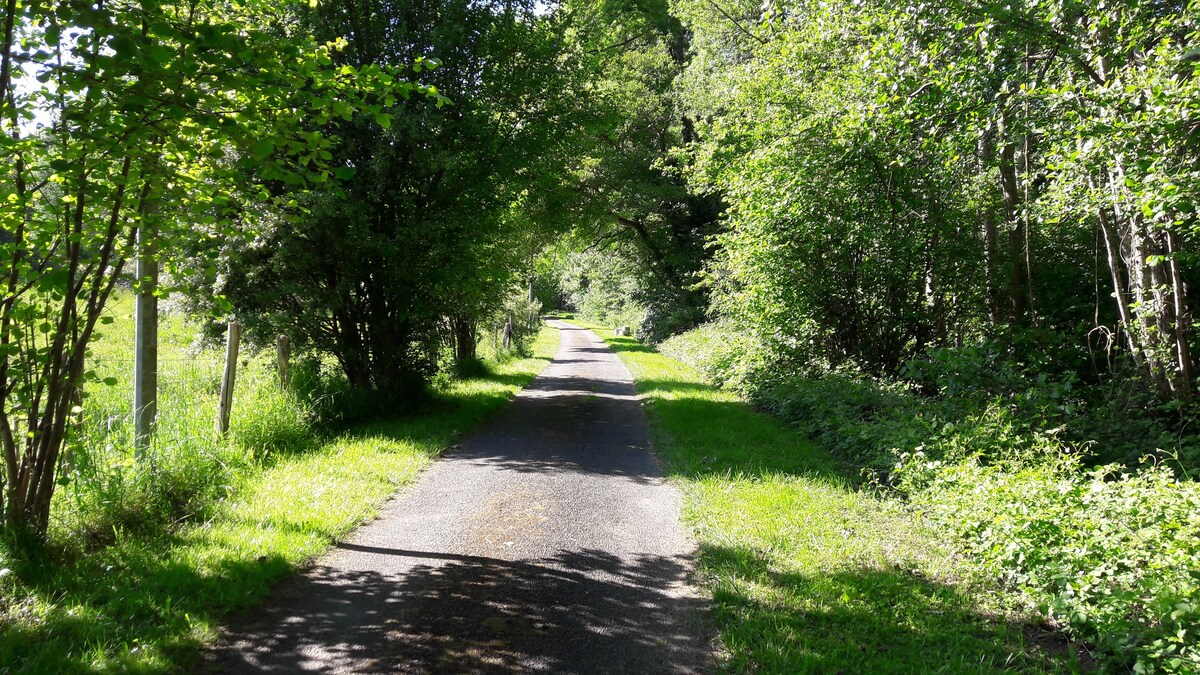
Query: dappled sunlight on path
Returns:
{"type": "Point", "coordinates": [461, 613]}
{"type": "Point", "coordinates": [547, 540]}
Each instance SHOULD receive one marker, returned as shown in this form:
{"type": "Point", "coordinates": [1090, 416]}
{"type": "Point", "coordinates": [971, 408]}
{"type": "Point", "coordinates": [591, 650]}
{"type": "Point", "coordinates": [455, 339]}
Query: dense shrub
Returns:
{"type": "Point", "coordinates": [612, 310]}
{"type": "Point", "coordinates": [1123, 423]}
{"type": "Point", "coordinates": [1112, 555]}
{"type": "Point", "coordinates": [1118, 419]}
{"type": "Point", "coordinates": [602, 286]}
{"type": "Point", "coordinates": [719, 350]}
{"type": "Point", "coordinates": [869, 421]}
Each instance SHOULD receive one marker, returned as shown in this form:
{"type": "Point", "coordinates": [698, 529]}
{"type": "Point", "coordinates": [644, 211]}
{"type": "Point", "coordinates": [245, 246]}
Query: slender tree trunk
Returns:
{"type": "Point", "coordinates": [1027, 226]}
{"type": "Point", "coordinates": [353, 355]}
{"type": "Point", "coordinates": [1009, 187]}
{"type": "Point", "coordinates": [1017, 273]}
{"type": "Point", "coordinates": [933, 297]}
{"type": "Point", "coordinates": [6, 56]}
{"type": "Point", "coordinates": [465, 341]}
{"type": "Point", "coordinates": [987, 152]}
{"type": "Point", "coordinates": [1182, 317]}
{"type": "Point", "coordinates": [1112, 248]}
{"type": "Point", "coordinates": [1145, 312]}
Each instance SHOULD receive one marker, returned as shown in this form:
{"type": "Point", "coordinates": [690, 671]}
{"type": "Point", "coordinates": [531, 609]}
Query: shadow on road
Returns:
{"type": "Point", "coordinates": [408, 600]}
{"type": "Point", "coordinates": [470, 614]}
{"type": "Point", "coordinates": [571, 419]}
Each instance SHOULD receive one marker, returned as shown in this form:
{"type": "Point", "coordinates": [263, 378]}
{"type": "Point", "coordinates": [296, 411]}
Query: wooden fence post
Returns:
{"type": "Point", "coordinates": [145, 351]}
{"type": "Point", "coordinates": [283, 353]}
{"type": "Point", "coordinates": [227, 380]}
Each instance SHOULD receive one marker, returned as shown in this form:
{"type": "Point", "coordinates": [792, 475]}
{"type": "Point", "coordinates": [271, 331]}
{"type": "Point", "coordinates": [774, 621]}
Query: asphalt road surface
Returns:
{"type": "Point", "coordinates": [547, 541]}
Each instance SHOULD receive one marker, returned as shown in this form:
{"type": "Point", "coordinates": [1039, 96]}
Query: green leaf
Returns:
{"type": "Point", "coordinates": [263, 148]}
{"type": "Point", "coordinates": [160, 54]}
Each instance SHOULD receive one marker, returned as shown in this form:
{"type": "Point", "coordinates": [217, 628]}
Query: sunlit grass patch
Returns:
{"type": "Point", "coordinates": [809, 572]}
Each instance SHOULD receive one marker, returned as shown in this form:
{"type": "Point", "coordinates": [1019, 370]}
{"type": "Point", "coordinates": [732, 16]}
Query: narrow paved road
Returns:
{"type": "Point", "coordinates": [547, 542]}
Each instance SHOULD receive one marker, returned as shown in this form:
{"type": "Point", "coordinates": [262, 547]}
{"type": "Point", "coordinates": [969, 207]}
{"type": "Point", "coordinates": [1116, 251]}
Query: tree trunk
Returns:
{"type": "Point", "coordinates": [465, 339]}
{"type": "Point", "coordinates": [1182, 318]}
{"type": "Point", "coordinates": [1027, 225]}
{"type": "Point", "coordinates": [991, 252]}
{"type": "Point", "coordinates": [355, 360]}
{"type": "Point", "coordinates": [1145, 313]}
{"type": "Point", "coordinates": [934, 304]}
{"type": "Point", "coordinates": [1112, 247]}
{"type": "Point", "coordinates": [1017, 273]}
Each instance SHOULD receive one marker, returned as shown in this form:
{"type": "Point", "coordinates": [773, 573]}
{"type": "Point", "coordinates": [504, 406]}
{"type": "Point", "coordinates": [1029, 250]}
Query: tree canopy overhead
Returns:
{"type": "Point", "coordinates": [900, 178]}
{"type": "Point", "coordinates": [434, 229]}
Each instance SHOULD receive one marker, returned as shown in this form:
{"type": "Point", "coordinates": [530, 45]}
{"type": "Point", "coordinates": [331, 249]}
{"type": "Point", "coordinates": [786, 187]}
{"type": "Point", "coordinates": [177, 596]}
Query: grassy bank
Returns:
{"type": "Point", "coordinates": [143, 596]}
{"type": "Point", "coordinates": [1012, 467]}
{"type": "Point", "coordinates": [808, 572]}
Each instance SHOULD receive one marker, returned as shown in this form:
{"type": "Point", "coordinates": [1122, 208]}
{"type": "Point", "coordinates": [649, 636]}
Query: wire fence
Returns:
{"type": "Point", "coordinates": [190, 382]}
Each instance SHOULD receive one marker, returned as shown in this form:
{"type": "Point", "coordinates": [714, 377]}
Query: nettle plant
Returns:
{"type": "Point", "coordinates": [120, 118]}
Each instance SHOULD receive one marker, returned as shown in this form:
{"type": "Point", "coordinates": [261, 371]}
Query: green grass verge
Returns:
{"type": "Point", "coordinates": [148, 603]}
{"type": "Point", "coordinates": [808, 572]}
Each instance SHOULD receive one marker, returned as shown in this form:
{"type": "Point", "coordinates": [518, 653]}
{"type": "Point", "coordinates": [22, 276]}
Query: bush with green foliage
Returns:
{"type": "Point", "coordinates": [865, 421]}
{"type": "Point", "coordinates": [603, 286]}
{"type": "Point", "coordinates": [718, 349]}
{"type": "Point", "coordinates": [1111, 554]}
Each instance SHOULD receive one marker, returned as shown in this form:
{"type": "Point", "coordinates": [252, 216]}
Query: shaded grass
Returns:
{"type": "Point", "coordinates": [808, 572]}
{"type": "Point", "coordinates": [148, 601]}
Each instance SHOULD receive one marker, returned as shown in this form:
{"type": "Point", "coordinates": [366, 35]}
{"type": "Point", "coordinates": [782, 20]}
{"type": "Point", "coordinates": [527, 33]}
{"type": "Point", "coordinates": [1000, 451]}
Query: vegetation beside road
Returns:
{"type": "Point", "coordinates": [998, 464]}
{"type": "Point", "coordinates": [953, 244]}
{"type": "Point", "coordinates": [147, 557]}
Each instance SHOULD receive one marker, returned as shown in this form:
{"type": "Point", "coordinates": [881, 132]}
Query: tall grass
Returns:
{"type": "Point", "coordinates": [189, 466]}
